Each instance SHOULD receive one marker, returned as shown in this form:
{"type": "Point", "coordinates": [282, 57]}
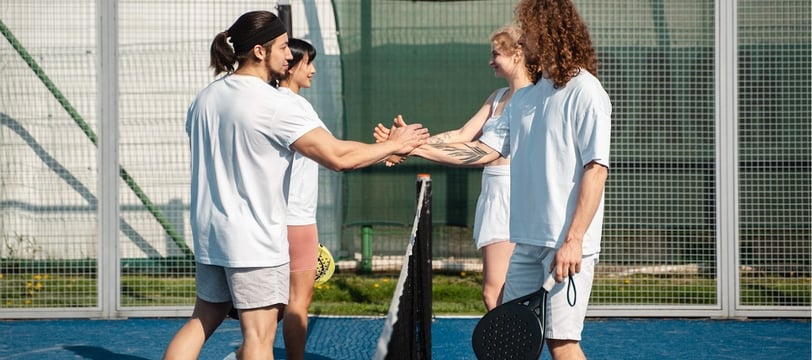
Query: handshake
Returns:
{"type": "Point", "coordinates": [381, 134]}
{"type": "Point", "coordinates": [455, 148]}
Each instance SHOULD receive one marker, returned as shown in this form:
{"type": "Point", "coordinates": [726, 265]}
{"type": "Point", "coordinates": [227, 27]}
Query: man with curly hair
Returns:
{"type": "Point", "coordinates": [559, 144]}
{"type": "Point", "coordinates": [557, 133]}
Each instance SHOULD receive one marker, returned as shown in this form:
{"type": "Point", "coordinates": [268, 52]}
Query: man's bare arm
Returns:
{"type": "Point", "coordinates": [341, 155]}
{"type": "Point", "coordinates": [568, 258]}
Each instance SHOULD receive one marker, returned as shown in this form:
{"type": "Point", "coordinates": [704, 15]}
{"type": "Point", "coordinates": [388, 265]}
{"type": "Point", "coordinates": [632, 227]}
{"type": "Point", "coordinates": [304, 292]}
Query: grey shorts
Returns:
{"type": "Point", "coordinates": [246, 288]}
{"type": "Point", "coordinates": [525, 275]}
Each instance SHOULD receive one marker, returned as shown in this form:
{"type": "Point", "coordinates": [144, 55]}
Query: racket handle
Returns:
{"type": "Point", "coordinates": [549, 282]}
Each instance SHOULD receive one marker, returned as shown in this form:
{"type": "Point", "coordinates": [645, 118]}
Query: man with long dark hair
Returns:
{"type": "Point", "coordinates": [243, 134]}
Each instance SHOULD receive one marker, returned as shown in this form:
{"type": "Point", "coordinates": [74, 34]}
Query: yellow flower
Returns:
{"type": "Point", "coordinates": [38, 277]}
{"type": "Point", "coordinates": [27, 302]}
{"type": "Point", "coordinates": [462, 274]}
{"type": "Point", "coordinates": [29, 284]}
{"type": "Point", "coordinates": [38, 286]}
{"type": "Point", "coordinates": [375, 285]}
{"type": "Point", "coordinates": [1, 276]}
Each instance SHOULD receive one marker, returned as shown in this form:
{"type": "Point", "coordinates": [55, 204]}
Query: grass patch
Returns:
{"type": "Point", "coordinates": [37, 290]}
{"type": "Point", "coordinates": [652, 290]}
{"type": "Point", "coordinates": [143, 290]}
{"type": "Point", "coordinates": [775, 291]}
{"type": "Point", "coordinates": [370, 295]}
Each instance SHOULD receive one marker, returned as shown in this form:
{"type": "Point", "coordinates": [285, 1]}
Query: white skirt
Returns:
{"type": "Point", "coordinates": [492, 221]}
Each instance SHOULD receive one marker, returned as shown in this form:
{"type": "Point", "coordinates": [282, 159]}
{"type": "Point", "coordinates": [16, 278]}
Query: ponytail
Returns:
{"type": "Point", "coordinates": [222, 55]}
{"type": "Point", "coordinates": [251, 29]}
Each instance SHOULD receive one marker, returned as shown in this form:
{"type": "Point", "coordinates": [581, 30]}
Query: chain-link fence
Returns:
{"type": "Point", "coordinates": [707, 204]}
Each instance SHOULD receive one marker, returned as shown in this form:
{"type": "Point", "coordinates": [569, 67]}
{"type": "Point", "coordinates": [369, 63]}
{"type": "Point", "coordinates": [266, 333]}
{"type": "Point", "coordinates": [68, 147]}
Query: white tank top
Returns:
{"type": "Point", "coordinates": [490, 125]}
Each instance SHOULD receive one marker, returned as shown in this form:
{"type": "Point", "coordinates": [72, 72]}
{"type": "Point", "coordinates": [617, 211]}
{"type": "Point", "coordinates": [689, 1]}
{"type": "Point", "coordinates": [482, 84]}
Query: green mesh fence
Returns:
{"type": "Point", "coordinates": [429, 62]}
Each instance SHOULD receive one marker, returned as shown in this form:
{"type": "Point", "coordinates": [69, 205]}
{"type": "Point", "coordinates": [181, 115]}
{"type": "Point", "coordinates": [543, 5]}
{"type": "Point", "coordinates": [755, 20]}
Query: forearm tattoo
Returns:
{"type": "Point", "coordinates": [439, 139]}
{"type": "Point", "coordinates": [467, 155]}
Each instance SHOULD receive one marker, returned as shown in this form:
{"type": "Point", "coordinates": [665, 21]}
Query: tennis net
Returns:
{"type": "Point", "coordinates": [407, 330]}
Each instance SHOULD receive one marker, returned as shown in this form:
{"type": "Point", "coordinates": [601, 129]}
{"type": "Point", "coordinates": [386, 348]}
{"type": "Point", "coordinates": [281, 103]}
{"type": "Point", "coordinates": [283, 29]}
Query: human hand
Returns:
{"type": "Point", "coordinates": [398, 121]}
{"type": "Point", "coordinates": [393, 160]}
{"type": "Point", "coordinates": [381, 133]}
{"type": "Point", "coordinates": [409, 136]}
{"type": "Point", "coordinates": [567, 260]}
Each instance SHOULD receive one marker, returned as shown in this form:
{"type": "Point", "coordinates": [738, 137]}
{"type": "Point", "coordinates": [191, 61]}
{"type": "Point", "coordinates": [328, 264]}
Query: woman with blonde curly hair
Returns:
{"type": "Point", "coordinates": [491, 222]}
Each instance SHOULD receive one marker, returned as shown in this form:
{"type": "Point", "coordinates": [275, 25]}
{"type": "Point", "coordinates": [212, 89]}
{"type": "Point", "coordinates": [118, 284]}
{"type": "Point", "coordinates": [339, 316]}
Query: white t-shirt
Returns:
{"type": "Point", "coordinates": [303, 196]}
{"type": "Point", "coordinates": [240, 130]}
{"type": "Point", "coordinates": [553, 133]}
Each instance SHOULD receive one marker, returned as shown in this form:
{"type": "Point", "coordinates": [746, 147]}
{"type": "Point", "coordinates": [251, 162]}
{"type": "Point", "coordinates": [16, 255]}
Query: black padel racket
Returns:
{"type": "Point", "coordinates": [515, 329]}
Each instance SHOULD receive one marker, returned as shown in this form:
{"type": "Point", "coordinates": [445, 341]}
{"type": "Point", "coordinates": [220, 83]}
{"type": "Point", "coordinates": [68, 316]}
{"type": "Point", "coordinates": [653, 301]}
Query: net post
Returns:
{"type": "Point", "coordinates": [423, 293]}
{"type": "Point", "coordinates": [366, 249]}
{"type": "Point", "coordinates": [283, 8]}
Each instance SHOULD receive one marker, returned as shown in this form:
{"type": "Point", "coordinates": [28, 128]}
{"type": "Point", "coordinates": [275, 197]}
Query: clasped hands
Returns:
{"type": "Point", "coordinates": [381, 133]}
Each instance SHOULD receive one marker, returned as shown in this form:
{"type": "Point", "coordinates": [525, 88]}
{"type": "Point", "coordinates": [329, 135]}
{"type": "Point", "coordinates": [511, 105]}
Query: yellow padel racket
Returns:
{"type": "Point", "coordinates": [325, 265]}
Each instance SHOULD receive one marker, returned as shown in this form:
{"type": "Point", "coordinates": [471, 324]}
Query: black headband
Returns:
{"type": "Point", "coordinates": [260, 37]}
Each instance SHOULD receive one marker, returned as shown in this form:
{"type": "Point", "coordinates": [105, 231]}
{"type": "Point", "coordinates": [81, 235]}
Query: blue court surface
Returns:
{"type": "Point", "coordinates": [355, 338]}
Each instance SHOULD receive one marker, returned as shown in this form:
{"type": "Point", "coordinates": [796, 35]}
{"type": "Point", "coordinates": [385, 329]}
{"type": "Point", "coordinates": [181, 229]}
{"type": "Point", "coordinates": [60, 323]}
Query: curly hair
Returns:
{"type": "Point", "coordinates": [556, 40]}
{"type": "Point", "coordinates": [507, 38]}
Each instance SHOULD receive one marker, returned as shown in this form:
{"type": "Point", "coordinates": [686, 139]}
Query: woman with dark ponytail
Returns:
{"type": "Point", "coordinates": [243, 134]}
{"type": "Point", "coordinates": [303, 233]}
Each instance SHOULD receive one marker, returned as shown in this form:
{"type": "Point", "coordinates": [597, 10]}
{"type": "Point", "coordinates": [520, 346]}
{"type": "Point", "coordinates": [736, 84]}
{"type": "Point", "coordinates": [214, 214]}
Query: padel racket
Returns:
{"type": "Point", "coordinates": [325, 265]}
{"type": "Point", "coordinates": [515, 329]}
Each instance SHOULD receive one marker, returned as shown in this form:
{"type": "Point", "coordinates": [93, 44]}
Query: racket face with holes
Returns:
{"type": "Point", "coordinates": [325, 265]}
{"type": "Point", "coordinates": [509, 331]}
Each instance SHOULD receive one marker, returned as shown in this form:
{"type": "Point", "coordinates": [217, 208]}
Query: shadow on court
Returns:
{"type": "Point", "coordinates": [356, 338]}
{"type": "Point", "coordinates": [93, 352]}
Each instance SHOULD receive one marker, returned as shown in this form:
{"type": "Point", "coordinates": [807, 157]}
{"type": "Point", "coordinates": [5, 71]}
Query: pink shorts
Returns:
{"type": "Point", "coordinates": [304, 247]}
